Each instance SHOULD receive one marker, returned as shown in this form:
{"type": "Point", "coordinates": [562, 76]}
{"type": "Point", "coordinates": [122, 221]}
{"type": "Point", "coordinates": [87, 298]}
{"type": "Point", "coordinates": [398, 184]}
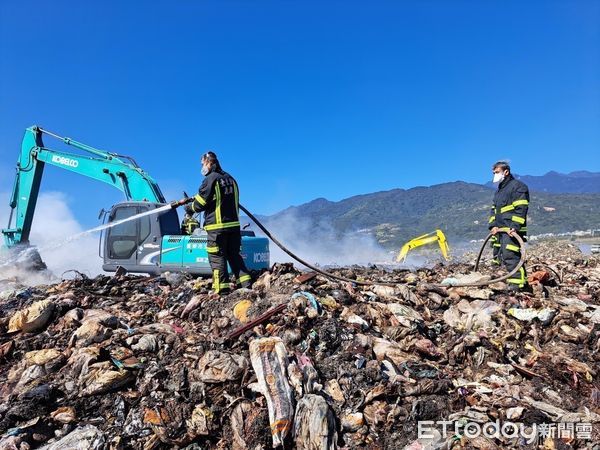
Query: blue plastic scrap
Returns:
{"type": "Point", "coordinates": [311, 298]}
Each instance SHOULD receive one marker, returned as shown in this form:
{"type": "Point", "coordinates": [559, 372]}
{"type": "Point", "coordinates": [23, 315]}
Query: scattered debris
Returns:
{"type": "Point", "coordinates": [270, 361]}
{"type": "Point", "coordinates": [32, 318]}
{"type": "Point", "coordinates": [300, 361]}
{"type": "Point", "coordinates": [544, 315]}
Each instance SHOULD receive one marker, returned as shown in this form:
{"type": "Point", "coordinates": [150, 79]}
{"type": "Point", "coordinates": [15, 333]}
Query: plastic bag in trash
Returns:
{"type": "Point", "coordinates": [314, 425]}
{"type": "Point", "coordinates": [87, 437]}
{"type": "Point", "coordinates": [32, 318]}
{"type": "Point", "coordinates": [269, 361]}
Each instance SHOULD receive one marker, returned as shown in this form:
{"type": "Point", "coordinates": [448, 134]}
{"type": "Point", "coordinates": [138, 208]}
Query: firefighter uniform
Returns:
{"type": "Point", "coordinates": [495, 243]}
{"type": "Point", "coordinates": [509, 210]}
{"type": "Point", "coordinates": [218, 198]}
{"type": "Point", "coordinates": [188, 225]}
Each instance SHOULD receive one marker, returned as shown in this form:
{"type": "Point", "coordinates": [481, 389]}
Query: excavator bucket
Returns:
{"type": "Point", "coordinates": [21, 257]}
{"type": "Point", "coordinates": [435, 236]}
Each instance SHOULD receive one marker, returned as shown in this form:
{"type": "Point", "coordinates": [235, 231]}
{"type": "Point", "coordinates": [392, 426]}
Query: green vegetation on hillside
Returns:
{"type": "Point", "coordinates": [460, 209]}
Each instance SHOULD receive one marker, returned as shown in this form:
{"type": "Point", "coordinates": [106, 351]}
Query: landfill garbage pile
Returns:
{"type": "Point", "coordinates": [301, 361]}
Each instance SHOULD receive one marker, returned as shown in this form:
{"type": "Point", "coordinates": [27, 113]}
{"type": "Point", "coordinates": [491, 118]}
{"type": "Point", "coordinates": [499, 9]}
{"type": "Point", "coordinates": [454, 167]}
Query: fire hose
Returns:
{"type": "Point", "coordinates": [396, 283]}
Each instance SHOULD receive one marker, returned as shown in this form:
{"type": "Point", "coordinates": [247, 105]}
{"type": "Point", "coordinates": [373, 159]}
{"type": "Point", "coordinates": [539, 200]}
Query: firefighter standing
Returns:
{"type": "Point", "coordinates": [218, 198]}
{"type": "Point", "coordinates": [509, 213]}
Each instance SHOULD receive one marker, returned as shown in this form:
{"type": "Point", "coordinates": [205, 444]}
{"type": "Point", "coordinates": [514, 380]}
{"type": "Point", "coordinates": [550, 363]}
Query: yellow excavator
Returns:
{"type": "Point", "coordinates": [435, 236]}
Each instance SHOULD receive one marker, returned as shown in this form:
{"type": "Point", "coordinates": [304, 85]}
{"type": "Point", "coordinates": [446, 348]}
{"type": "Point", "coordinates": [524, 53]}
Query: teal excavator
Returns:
{"type": "Point", "coordinates": [151, 244]}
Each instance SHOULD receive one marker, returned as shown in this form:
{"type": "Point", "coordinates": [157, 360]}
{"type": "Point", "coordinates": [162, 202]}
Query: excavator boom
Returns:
{"type": "Point", "coordinates": [132, 241]}
{"type": "Point", "coordinates": [116, 170]}
{"type": "Point", "coordinates": [435, 236]}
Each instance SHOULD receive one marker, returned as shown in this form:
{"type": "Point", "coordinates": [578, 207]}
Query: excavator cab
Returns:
{"type": "Point", "coordinates": [154, 244]}
{"type": "Point", "coordinates": [129, 244]}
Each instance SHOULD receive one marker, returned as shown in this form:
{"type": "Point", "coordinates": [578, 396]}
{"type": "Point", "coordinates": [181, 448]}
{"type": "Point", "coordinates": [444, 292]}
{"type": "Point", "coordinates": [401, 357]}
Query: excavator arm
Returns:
{"type": "Point", "coordinates": [436, 236]}
{"type": "Point", "coordinates": [116, 170]}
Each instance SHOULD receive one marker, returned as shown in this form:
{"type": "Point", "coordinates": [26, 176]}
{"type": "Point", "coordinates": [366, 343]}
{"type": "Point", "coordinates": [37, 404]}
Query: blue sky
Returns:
{"type": "Point", "coordinates": [303, 99]}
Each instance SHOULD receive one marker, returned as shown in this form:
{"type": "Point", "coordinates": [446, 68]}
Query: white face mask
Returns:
{"type": "Point", "coordinates": [204, 171]}
{"type": "Point", "coordinates": [498, 177]}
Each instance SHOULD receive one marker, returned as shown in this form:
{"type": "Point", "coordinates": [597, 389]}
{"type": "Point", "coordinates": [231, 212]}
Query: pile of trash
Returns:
{"type": "Point", "coordinates": [301, 361]}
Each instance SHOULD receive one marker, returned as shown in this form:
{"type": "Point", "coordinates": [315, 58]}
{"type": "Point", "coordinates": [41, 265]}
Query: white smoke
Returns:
{"type": "Point", "coordinates": [319, 243]}
{"type": "Point", "coordinates": [53, 223]}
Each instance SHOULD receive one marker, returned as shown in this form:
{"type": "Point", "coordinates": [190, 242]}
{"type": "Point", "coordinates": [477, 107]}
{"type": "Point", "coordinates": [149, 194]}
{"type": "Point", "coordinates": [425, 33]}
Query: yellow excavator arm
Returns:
{"type": "Point", "coordinates": [428, 238]}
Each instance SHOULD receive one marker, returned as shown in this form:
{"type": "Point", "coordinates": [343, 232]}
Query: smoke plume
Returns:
{"type": "Point", "coordinates": [52, 224]}
{"type": "Point", "coordinates": [320, 243]}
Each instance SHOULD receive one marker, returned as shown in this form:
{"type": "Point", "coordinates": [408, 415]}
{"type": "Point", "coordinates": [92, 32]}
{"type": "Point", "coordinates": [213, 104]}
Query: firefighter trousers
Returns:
{"type": "Point", "coordinates": [495, 244]}
{"type": "Point", "coordinates": [510, 255]}
{"type": "Point", "coordinates": [224, 247]}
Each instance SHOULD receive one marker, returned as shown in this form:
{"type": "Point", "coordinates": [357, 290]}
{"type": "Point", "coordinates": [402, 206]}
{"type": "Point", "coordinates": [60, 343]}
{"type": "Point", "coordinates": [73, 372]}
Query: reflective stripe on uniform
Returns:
{"type": "Point", "coordinates": [217, 285]}
{"type": "Point", "coordinates": [492, 219]}
{"type": "Point", "coordinates": [216, 280]}
{"type": "Point", "coordinates": [514, 248]}
{"type": "Point", "coordinates": [506, 209]}
{"type": "Point", "coordinates": [214, 249]}
{"type": "Point", "coordinates": [218, 219]}
{"type": "Point", "coordinates": [244, 278]}
{"type": "Point", "coordinates": [221, 226]}
{"type": "Point", "coordinates": [518, 219]}
{"type": "Point", "coordinates": [520, 202]}
{"type": "Point", "coordinates": [199, 199]}
{"type": "Point", "coordinates": [521, 280]}
{"type": "Point", "coordinates": [190, 225]}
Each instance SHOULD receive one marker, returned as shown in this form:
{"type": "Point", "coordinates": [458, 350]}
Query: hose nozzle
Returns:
{"type": "Point", "coordinates": [184, 201]}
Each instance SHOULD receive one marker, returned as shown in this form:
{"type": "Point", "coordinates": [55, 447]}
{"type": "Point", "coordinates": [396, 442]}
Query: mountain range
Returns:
{"type": "Point", "coordinates": [559, 203]}
{"type": "Point", "coordinates": [579, 182]}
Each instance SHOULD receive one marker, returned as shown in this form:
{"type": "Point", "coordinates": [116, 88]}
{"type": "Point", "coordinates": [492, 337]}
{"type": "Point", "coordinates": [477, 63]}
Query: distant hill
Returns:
{"type": "Point", "coordinates": [580, 182]}
{"type": "Point", "coordinates": [460, 209]}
